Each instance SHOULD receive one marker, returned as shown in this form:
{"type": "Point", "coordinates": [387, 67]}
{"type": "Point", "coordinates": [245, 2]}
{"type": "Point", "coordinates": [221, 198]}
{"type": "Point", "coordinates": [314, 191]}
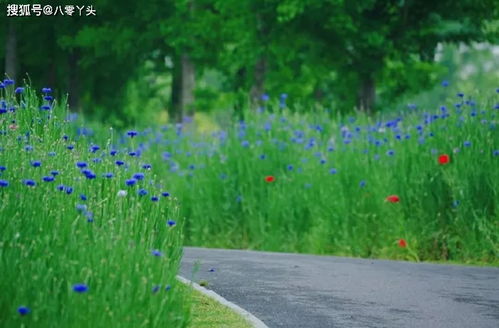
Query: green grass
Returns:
{"type": "Point", "coordinates": [446, 212]}
{"type": "Point", "coordinates": [207, 313]}
{"type": "Point", "coordinates": [53, 239]}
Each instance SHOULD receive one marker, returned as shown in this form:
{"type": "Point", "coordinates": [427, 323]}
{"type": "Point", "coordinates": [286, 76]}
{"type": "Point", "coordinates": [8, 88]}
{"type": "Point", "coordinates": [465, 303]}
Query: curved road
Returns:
{"type": "Point", "coordinates": [293, 290]}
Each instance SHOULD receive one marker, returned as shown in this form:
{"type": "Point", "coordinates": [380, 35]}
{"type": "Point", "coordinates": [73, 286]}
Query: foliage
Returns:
{"type": "Point", "coordinates": [71, 223]}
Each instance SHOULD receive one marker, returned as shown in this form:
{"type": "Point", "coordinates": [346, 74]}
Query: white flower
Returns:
{"type": "Point", "coordinates": [122, 193]}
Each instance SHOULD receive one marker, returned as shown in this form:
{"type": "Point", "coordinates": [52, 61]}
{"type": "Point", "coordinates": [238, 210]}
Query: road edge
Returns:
{"type": "Point", "coordinates": [254, 321]}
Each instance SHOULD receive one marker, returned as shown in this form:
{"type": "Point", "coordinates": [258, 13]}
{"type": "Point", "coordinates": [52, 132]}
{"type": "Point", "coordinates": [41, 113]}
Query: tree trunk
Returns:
{"type": "Point", "coordinates": [175, 112]}
{"type": "Point", "coordinates": [188, 84]}
{"type": "Point", "coordinates": [182, 92]}
{"type": "Point", "coordinates": [11, 51]}
{"type": "Point", "coordinates": [366, 94]}
{"type": "Point", "coordinates": [258, 80]}
{"type": "Point", "coordinates": [74, 81]}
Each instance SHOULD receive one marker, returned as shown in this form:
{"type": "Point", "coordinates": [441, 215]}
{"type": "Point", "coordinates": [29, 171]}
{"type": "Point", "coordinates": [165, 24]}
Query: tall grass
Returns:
{"type": "Point", "coordinates": [75, 251]}
{"type": "Point", "coordinates": [332, 180]}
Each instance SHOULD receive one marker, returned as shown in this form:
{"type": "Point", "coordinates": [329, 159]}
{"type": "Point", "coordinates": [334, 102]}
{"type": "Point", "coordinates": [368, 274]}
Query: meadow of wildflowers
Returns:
{"type": "Point", "coordinates": [86, 240]}
{"type": "Point", "coordinates": [92, 220]}
{"type": "Point", "coordinates": [357, 186]}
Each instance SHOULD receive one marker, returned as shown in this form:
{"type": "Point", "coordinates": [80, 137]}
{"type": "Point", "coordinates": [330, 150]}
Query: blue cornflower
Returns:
{"type": "Point", "coordinates": [70, 147]}
{"type": "Point", "coordinates": [36, 163]}
{"type": "Point", "coordinates": [119, 163]}
{"type": "Point", "coordinates": [191, 167]}
{"type": "Point", "coordinates": [156, 288]}
{"type": "Point", "coordinates": [94, 148]}
{"type": "Point", "coordinates": [154, 198]}
{"type": "Point", "coordinates": [28, 148]}
{"type": "Point", "coordinates": [171, 223]}
{"type": "Point", "coordinates": [131, 182]}
{"type": "Point", "coordinates": [132, 133]}
{"type": "Point", "coordinates": [445, 83]}
{"type": "Point", "coordinates": [108, 175]}
{"type": "Point", "coordinates": [323, 161]}
{"type": "Point", "coordinates": [90, 216]}
{"type": "Point", "coordinates": [132, 153]}
{"type": "Point", "coordinates": [456, 203]}
{"type": "Point", "coordinates": [495, 153]}
{"type": "Point", "coordinates": [69, 190]}
{"type": "Point", "coordinates": [54, 173]}
{"type": "Point", "coordinates": [265, 97]}
{"type": "Point", "coordinates": [29, 182]}
{"type": "Point", "coordinates": [165, 194]}
{"type": "Point", "coordinates": [45, 107]}
{"type": "Point", "coordinates": [80, 288]}
{"type": "Point", "coordinates": [142, 192]}
{"type": "Point", "coordinates": [390, 152]}
{"type": "Point", "coordinates": [156, 252]}
{"type": "Point", "coordinates": [113, 152]}
{"type": "Point", "coordinates": [97, 160]}
{"type": "Point", "coordinates": [245, 143]}
{"type": "Point", "coordinates": [139, 176]}
{"type": "Point", "coordinates": [81, 165]}
{"type": "Point", "coordinates": [467, 143]}
{"type": "Point", "coordinates": [81, 207]}
{"type": "Point", "coordinates": [19, 90]}
{"type": "Point", "coordinates": [48, 178]}
{"type": "Point", "coordinates": [4, 183]}
{"type": "Point", "coordinates": [2, 85]}
{"type": "Point", "coordinates": [83, 197]}
{"type": "Point", "coordinates": [88, 174]}
{"type": "Point", "coordinates": [23, 310]}
{"type": "Point", "coordinates": [460, 94]}
{"type": "Point", "coordinates": [333, 171]}
{"type": "Point", "coordinates": [290, 167]}
{"type": "Point", "coordinates": [8, 82]}
{"type": "Point", "coordinates": [147, 166]}
{"type": "Point", "coordinates": [362, 184]}
{"type": "Point", "coordinates": [51, 153]}
{"type": "Point", "coordinates": [46, 90]}
{"type": "Point", "coordinates": [48, 98]}
{"type": "Point", "coordinates": [65, 137]}
{"type": "Point", "coordinates": [212, 270]}
{"type": "Point", "coordinates": [60, 187]}
{"type": "Point", "coordinates": [2, 168]}
{"type": "Point", "coordinates": [168, 287]}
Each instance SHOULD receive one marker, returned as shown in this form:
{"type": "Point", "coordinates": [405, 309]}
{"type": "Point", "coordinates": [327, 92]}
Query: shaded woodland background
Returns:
{"type": "Point", "coordinates": [136, 61]}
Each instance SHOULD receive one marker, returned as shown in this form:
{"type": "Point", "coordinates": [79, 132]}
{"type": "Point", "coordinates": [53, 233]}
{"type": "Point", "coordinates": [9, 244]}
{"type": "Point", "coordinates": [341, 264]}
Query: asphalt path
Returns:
{"type": "Point", "coordinates": [296, 290]}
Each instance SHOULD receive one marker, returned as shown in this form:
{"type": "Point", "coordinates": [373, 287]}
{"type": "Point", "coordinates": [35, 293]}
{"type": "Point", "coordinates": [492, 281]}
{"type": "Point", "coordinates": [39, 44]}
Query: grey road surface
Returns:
{"type": "Point", "coordinates": [292, 290]}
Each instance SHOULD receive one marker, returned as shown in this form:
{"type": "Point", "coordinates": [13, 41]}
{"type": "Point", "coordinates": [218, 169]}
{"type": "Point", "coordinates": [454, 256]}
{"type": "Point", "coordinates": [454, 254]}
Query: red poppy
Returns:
{"type": "Point", "coordinates": [443, 159]}
{"type": "Point", "coordinates": [402, 243]}
{"type": "Point", "coordinates": [393, 199]}
{"type": "Point", "coordinates": [269, 178]}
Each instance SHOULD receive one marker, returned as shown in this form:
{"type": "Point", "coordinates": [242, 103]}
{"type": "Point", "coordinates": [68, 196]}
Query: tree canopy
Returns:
{"type": "Point", "coordinates": [346, 53]}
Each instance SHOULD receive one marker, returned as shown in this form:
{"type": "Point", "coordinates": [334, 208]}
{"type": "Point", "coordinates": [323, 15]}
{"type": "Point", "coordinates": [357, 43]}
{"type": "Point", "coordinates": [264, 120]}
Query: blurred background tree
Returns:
{"type": "Point", "coordinates": [137, 62]}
